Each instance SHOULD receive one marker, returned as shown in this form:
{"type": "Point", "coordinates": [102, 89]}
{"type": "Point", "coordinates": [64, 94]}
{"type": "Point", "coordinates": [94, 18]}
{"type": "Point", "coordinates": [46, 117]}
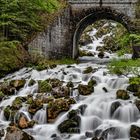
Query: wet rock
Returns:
{"type": "Point", "coordinates": [85, 89]}
{"type": "Point", "coordinates": [85, 53]}
{"type": "Point", "coordinates": [114, 107]}
{"type": "Point", "coordinates": [70, 84]}
{"type": "Point", "coordinates": [88, 70]}
{"type": "Point", "coordinates": [82, 108]}
{"type": "Point", "coordinates": [89, 134]}
{"type": "Point", "coordinates": [56, 107]}
{"type": "Point", "coordinates": [92, 83]}
{"type": "Point", "coordinates": [133, 88]}
{"type": "Point", "coordinates": [23, 122]}
{"type": "Point", "coordinates": [96, 138]}
{"type": "Point", "coordinates": [1, 95]}
{"type": "Point", "coordinates": [9, 113]}
{"type": "Point", "coordinates": [73, 130]}
{"type": "Point", "coordinates": [44, 86]}
{"type": "Point", "coordinates": [105, 89]}
{"type": "Point", "coordinates": [135, 131]}
{"type": "Point", "coordinates": [101, 54]}
{"type": "Point", "coordinates": [65, 126]}
{"type": "Point", "coordinates": [72, 114]}
{"type": "Point", "coordinates": [6, 89]}
{"type": "Point", "coordinates": [17, 103]}
{"type": "Point", "coordinates": [122, 94]}
{"type": "Point", "coordinates": [137, 103]}
{"type": "Point", "coordinates": [2, 133]}
{"type": "Point", "coordinates": [18, 83]}
{"type": "Point", "coordinates": [61, 92]}
{"type": "Point", "coordinates": [36, 105]}
{"type": "Point", "coordinates": [113, 131]}
{"type": "Point", "coordinates": [55, 82]}
{"type": "Point", "coordinates": [13, 133]}
{"type": "Point", "coordinates": [31, 82]}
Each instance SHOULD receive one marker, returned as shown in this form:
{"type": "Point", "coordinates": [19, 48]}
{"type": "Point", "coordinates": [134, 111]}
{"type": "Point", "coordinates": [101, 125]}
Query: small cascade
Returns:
{"type": "Point", "coordinates": [41, 115]}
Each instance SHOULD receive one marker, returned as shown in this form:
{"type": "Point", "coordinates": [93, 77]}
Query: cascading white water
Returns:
{"type": "Point", "coordinates": [98, 116]}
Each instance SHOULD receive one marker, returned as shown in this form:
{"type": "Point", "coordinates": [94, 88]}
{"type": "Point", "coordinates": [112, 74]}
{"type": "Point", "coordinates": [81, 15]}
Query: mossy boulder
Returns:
{"type": "Point", "coordinates": [13, 57]}
{"type": "Point", "coordinates": [101, 54]}
{"type": "Point", "coordinates": [133, 88]}
{"type": "Point", "coordinates": [122, 94]}
{"type": "Point", "coordinates": [9, 113]}
{"type": "Point", "coordinates": [56, 107]}
{"type": "Point", "coordinates": [137, 103]}
{"type": "Point", "coordinates": [85, 53]}
{"type": "Point", "coordinates": [14, 133]}
{"type": "Point", "coordinates": [36, 105]}
{"type": "Point", "coordinates": [1, 95]}
{"type": "Point", "coordinates": [17, 84]}
{"type": "Point", "coordinates": [55, 82]}
{"type": "Point", "coordinates": [85, 89]}
{"type": "Point", "coordinates": [72, 124]}
{"type": "Point", "coordinates": [92, 83]}
{"type": "Point", "coordinates": [7, 89]}
{"type": "Point", "coordinates": [31, 82]}
{"type": "Point", "coordinates": [63, 91]}
{"type": "Point", "coordinates": [44, 86]}
{"type": "Point", "coordinates": [135, 131]}
{"type": "Point", "coordinates": [70, 84]}
{"type": "Point", "coordinates": [88, 70]}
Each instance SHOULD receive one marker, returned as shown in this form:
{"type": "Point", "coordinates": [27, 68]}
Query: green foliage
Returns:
{"type": "Point", "coordinates": [134, 80]}
{"type": "Point", "coordinates": [11, 57]}
{"type": "Point", "coordinates": [125, 66]}
{"type": "Point", "coordinates": [19, 18]}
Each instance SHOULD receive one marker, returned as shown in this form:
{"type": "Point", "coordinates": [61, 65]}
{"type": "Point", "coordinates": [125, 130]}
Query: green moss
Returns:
{"type": "Point", "coordinates": [44, 86]}
{"type": "Point", "coordinates": [11, 57]}
{"type": "Point", "coordinates": [1, 95]}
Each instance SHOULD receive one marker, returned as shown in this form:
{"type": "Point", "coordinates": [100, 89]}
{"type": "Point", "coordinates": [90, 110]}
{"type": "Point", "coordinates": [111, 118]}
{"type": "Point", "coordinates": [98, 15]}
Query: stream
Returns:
{"type": "Point", "coordinates": [98, 118]}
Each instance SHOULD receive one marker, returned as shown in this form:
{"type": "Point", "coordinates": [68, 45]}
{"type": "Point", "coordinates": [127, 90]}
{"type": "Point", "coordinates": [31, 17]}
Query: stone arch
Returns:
{"type": "Point", "coordinates": [88, 17]}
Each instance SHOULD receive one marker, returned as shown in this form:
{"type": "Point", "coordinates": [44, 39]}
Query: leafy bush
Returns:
{"type": "Point", "coordinates": [125, 66]}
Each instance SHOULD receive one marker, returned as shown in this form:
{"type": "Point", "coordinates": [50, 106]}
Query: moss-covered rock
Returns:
{"type": "Point", "coordinates": [44, 86]}
{"type": "Point", "coordinates": [55, 82]}
{"type": "Point", "coordinates": [133, 88]}
{"type": "Point", "coordinates": [31, 82]}
{"type": "Point", "coordinates": [13, 57]}
{"type": "Point", "coordinates": [35, 105]}
{"type": "Point", "coordinates": [92, 83]}
{"type": "Point", "coordinates": [88, 70]}
{"type": "Point", "coordinates": [7, 89]}
{"type": "Point", "coordinates": [1, 95]}
{"type": "Point", "coordinates": [85, 89]}
{"type": "Point", "coordinates": [14, 133]}
{"type": "Point", "coordinates": [137, 103]}
{"type": "Point", "coordinates": [70, 84]}
{"type": "Point", "coordinates": [63, 91]}
{"type": "Point", "coordinates": [122, 94]}
{"type": "Point", "coordinates": [17, 83]}
{"type": "Point", "coordinates": [101, 54]}
{"type": "Point", "coordinates": [56, 107]}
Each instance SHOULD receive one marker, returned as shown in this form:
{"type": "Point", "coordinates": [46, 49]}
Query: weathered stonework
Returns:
{"type": "Point", "coordinates": [60, 38]}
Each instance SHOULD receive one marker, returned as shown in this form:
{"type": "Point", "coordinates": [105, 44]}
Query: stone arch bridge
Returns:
{"type": "Point", "coordinates": [60, 39]}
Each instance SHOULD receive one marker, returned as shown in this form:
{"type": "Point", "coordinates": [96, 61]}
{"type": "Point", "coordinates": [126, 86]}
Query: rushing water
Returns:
{"type": "Point", "coordinates": [97, 116]}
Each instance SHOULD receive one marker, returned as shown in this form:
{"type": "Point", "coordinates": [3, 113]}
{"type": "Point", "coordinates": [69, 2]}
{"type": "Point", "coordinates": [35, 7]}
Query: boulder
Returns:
{"type": "Point", "coordinates": [85, 89]}
{"type": "Point", "coordinates": [31, 82]}
{"type": "Point", "coordinates": [137, 103]}
{"type": "Point", "coordinates": [14, 133]}
{"type": "Point", "coordinates": [55, 82]}
{"type": "Point", "coordinates": [133, 88]}
{"type": "Point", "coordinates": [114, 107]}
{"type": "Point", "coordinates": [1, 95]}
{"type": "Point", "coordinates": [88, 70]}
{"type": "Point", "coordinates": [135, 131]}
{"type": "Point", "coordinates": [101, 54]}
{"type": "Point", "coordinates": [36, 105]}
{"type": "Point", "coordinates": [56, 107]}
{"type": "Point", "coordinates": [17, 83]}
{"type": "Point", "coordinates": [122, 94]}
{"type": "Point", "coordinates": [63, 91]}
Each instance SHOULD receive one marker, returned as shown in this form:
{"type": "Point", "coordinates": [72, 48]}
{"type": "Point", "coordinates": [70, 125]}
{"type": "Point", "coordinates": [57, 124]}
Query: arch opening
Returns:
{"type": "Point", "coordinates": [92, 18]}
